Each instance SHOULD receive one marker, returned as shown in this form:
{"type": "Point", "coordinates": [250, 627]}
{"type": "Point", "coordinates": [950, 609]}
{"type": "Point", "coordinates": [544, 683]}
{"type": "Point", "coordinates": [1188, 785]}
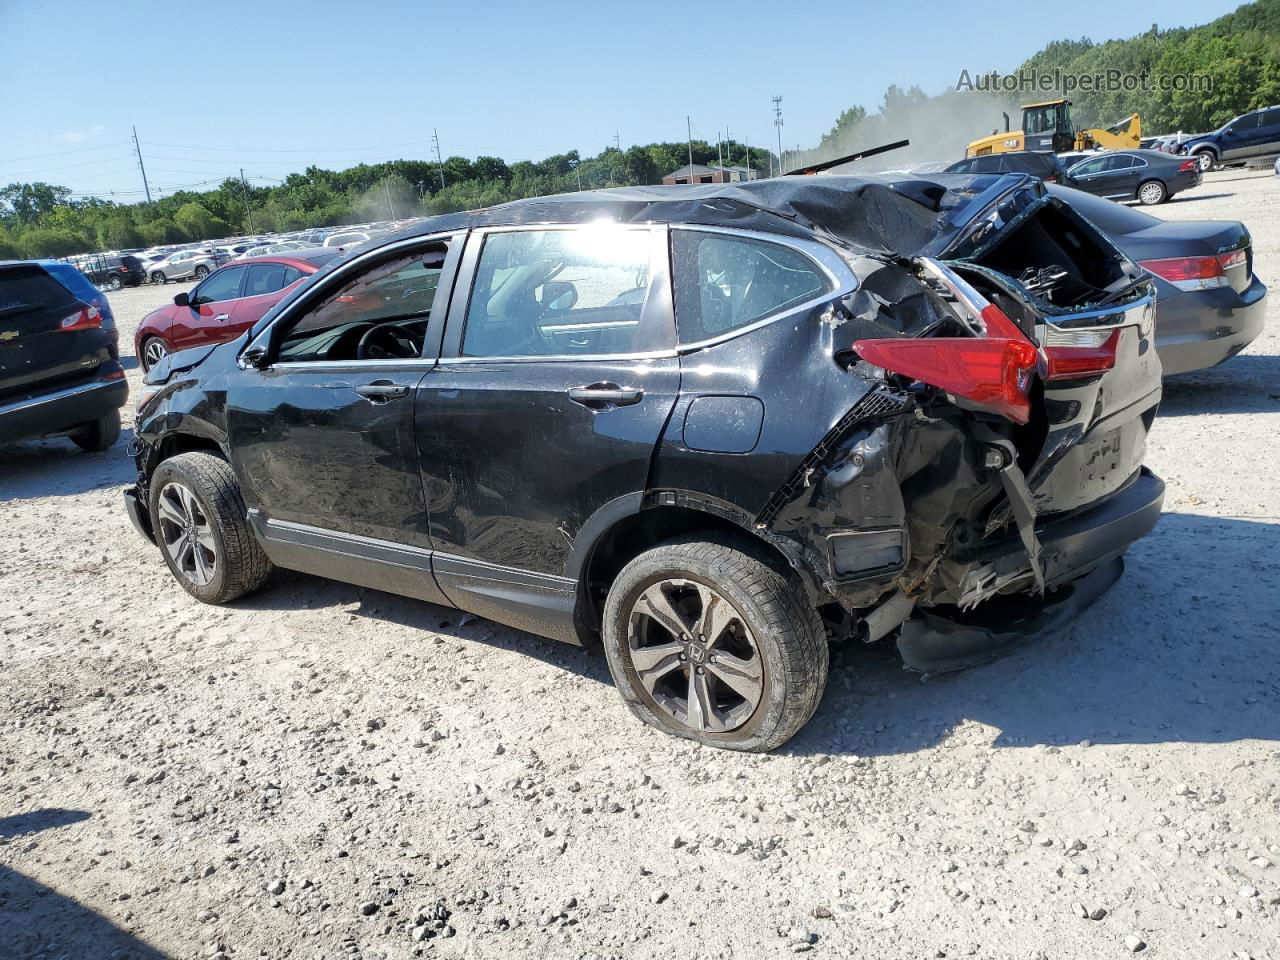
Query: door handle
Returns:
{"type": "Point", "coordinates": [222, 316]}
{"type": "Point", "coordinates": [600, 396]}
{"type": "Point", "coordinates": [381, 391]}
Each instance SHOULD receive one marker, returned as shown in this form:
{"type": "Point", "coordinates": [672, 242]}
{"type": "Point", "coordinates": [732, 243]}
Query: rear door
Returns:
{"type": "Point", "coordinates": [206, 317]}
{"type": "Point", "coordinates": [264, 286]}
{"type": "Point", "coordinates": [558, 375]}
{"type": "Point", "coordinates": [48, 338]}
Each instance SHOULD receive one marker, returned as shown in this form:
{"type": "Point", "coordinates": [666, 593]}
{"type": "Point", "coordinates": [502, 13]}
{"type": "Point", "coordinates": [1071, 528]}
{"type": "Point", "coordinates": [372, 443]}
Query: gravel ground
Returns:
{"type": "Point", "coordinates": [321, 771]}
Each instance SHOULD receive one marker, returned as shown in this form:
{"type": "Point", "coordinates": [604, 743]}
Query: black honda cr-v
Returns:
{"type": "Point", "coordinates": [713, 427]}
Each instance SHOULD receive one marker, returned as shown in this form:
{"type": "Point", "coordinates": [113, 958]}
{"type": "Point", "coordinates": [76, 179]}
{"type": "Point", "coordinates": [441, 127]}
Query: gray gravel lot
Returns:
{"type": "Point", "coordinates": [322, 771]}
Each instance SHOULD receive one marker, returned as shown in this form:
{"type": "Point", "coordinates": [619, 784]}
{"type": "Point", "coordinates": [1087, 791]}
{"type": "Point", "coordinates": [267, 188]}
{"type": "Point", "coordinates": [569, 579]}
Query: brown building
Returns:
{"type": "Point", "coordinates": [698, 173]}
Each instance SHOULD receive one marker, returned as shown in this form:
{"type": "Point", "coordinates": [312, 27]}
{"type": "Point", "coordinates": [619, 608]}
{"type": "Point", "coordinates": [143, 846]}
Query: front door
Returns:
{"type": "Point", "coordinates": [204, 319]}
{"type": "Point", "coordinates": [322, 432]}
{"type": "Point", "coordinates": [1238, 138]}
{"type": "Point", "coordinates": [557, 379]}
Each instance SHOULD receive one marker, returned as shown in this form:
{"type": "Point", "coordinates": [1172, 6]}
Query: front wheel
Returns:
{"type": "Point", "coordinates": [153, 351]}
{"type": "Point", "coordinates": [706, 639]}
{"type": "Point", "coordinates": [199, 519]}
{"type": "Point", "coordinates": [1205, 160]}
{"type": "Point", "coordinates": [1152, 192]}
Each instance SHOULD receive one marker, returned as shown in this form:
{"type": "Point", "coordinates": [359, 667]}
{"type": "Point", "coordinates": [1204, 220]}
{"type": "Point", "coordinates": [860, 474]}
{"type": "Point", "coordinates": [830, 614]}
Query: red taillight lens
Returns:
{"type": "Point", "coordinates": [1197, 273]}
{"type": "Point", "coordinates": [87, 319]}
{"type": "Point", "coordinates": [1074, 362]}
{"type": "Point", "coordinates": [993, 372]}
{"type": "Point", "coordinates": [1187, 166]}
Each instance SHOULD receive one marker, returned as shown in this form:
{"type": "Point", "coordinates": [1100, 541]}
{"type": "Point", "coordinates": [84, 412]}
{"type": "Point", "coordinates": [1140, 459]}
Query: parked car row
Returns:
{"type": "Point", "coordinates": [1147, 176]}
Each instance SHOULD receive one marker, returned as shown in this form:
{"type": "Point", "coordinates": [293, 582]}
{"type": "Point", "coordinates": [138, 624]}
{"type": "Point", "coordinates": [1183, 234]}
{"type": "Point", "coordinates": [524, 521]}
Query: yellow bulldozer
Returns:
{"type": "Point", "coordinates": [1048, 126]}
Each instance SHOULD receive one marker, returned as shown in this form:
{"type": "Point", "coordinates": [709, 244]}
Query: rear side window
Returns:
{"type": "Point", "coordinates": [1271, 118]}
{"type": "Point", "coordinates": [559, 293]}
{"type": "Point", "coordinates": [28, 289]}
{"type": "Point", "coordinates": [724, 283]}
{"type": "Point", "coordinates": [264, 278]}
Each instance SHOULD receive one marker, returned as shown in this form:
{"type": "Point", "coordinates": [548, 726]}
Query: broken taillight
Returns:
{"type": "Point", "coordinates": [1197, 273]}
{"type": "Point", "coordinates": [993, 373]}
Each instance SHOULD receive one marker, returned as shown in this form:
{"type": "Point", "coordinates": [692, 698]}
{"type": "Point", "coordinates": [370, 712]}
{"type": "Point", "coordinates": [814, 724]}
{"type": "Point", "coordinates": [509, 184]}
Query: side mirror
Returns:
{"type": "Point", "coordinates": [254, 358]}
{"type": "Point", "coordinates": [182, 300]}
{"type": "Point", "coordinates": [558, 296]}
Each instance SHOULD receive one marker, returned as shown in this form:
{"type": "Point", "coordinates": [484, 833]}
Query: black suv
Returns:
{"type": "Point", "coordinates": [114, 272]}
{"type": "Point", "coordinates": [60, 372]}
{"type": "Point", "coordinates": [711, 426]}
{"type": "Point", "coordinates": [1038, 163]}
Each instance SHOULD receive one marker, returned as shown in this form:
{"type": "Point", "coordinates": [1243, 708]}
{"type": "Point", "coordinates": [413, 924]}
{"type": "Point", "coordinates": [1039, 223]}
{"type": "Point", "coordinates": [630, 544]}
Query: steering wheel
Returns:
{"type": "Point", "coordinates": [386, 342]}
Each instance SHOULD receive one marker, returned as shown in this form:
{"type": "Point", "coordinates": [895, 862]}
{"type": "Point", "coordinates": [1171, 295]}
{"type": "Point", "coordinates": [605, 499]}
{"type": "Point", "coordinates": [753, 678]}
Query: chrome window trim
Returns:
{"type": "Point", "coordinates": [825, 257]}
{"type": "Point", "coordinates": [560, 357]}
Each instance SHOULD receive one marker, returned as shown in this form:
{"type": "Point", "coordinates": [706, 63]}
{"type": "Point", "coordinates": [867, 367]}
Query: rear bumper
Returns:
{"type": "Point", "coordinates": [60, 410]}
{"type": "Point", "coordinates": [1201, 329]}
{"type": "Point", "coordinates": [1082, 560]}
{"type": "Point", "coordinates": [1074, 544]}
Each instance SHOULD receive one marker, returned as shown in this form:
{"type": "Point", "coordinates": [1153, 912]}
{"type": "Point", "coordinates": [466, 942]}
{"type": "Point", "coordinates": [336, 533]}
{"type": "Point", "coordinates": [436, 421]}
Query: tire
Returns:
{"type": "Point", "coordinates": [99, 435]}
{"type": "Point", "coordinates": [1206, 159]}
{"type": "Point", "coordinates": [768, 629]}
{"type": "Point", "coordinates": [115, 283]}
{"type": "Point", "coordinates": [153, 351]}
{"type": "Point", "coordinates": [157, 277]}
{"type": "Point", "coordinates": [1152, 193]}
{"type": "Point", "coordinates": [202, 272]}
{"type": "Point", "coordinates": [225, 559]}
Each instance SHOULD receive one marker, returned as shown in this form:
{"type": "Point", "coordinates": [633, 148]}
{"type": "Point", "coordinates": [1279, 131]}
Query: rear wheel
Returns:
{"type": "Point", "coordinates": [707, 640]}
{"type": "Point", "coordinates": [115, 283]}
{"type": "Point", "coordinates": [202, 272]}
{"type": "Point", "coordinates": [153, 351]}
{"type": "Point", "coordinates": [199, 519]}
{"type": "Point", "coordinates": [157, 277]}
{"type": "Point", "coordinates": [99, 435]}
{"type": "Point", "coordinates": [1152, 192]}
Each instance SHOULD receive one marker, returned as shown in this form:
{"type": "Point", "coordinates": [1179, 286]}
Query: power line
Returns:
{"type": "Point", "coordinates": [389, 146]}
{"type": "Point", "coordinates": [63, 153]}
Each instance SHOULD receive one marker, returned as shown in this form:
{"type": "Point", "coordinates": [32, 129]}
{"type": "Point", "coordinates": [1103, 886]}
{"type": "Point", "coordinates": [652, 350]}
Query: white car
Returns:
{"type": "Point", "coordinates": [345, 239]}
{"type": "Point", "coordinates": [184, 264]}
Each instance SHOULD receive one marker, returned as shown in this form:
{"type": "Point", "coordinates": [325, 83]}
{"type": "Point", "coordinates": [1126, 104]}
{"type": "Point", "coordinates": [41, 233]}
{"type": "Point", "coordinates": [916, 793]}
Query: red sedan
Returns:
{"type": "Point", "coordinates": [225, 304]}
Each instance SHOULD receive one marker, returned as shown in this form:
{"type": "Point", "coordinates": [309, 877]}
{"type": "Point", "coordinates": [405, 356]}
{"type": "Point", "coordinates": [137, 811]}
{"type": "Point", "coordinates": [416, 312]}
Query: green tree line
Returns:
{"type": "Point", "coordinates": [43, 220]}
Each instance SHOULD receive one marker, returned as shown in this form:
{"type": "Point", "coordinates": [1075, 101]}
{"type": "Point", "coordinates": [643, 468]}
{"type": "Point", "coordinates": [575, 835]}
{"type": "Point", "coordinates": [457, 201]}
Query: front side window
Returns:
{"type": "Point", "coordinates": [1091, 167]}
{"type": "Point", "coordinates": [724, 283]}
{"type": "Point", "coordinates": [380, 313]}
{"type": "Point", "coordinates": [223, 285]}
{"type": "Point", "coordinates": [542, 293]}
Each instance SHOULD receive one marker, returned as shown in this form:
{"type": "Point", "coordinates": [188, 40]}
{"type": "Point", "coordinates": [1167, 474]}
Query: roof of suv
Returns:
{"type": "Point", "coordinates": [873, 213]}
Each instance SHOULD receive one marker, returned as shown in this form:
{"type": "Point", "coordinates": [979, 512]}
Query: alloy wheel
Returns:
{"type": "Point", "coordinates": [157, 277]}
{"type": "Point", "coordinates": [695, 656]}
{"type": "Point", "coordinates": [1151, 193]}
{"type": "Point", "coordinates": [201, 272]}
{"type": "Point", "coordinates": [115, 283]}
{"type": "Point", "coordinates": [187, 534]}
{"type": "Point", "coordinates": [154, 351]}
{"type": "Point", "coordinates": [1205, 159]}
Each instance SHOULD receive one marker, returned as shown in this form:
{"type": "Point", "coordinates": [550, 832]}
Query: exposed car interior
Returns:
{"type": "Point", "coordinates": [380, 315]}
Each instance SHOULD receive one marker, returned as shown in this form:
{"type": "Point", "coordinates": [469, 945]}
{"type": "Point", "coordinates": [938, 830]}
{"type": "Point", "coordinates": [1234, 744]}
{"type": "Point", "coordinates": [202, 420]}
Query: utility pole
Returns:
{"type": "Point", "coordinates": [748, 158]}
{"type": "Point", "coordinates": [617, 140]}
{"type": "Point", "coordinates": [138, 150]}
{"type": "Point", "coordinates": [719, 151]}
{"type": "Point", "coordinates": [391, 207]}
{"type": "Point", "coordinates": [435, 137]}
{"type": "Point", "coordinates": [777, 122]}
{"type": "Point", "coordinates": [688, 126]}
{"type": "Point", "coordinates": [248, 206]}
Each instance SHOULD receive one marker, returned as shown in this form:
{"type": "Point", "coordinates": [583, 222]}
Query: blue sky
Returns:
{"type": "Point", "coordinates": [272, 86]}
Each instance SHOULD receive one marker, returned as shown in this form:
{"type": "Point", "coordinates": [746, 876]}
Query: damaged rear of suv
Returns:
{"type": "Point", "coordinates": [711, 427]}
